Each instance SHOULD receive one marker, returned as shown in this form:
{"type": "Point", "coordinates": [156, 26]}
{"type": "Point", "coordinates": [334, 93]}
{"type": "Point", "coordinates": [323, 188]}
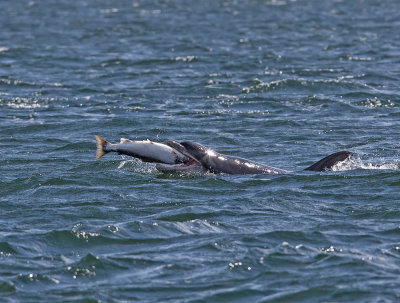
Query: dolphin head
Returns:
{"type": "Point", "coordinates": [195, 150]}
{"type": "Point", "coordinates": [210, 160]}
{"type": "Point", "coordinates": [200, 155]}
{"type": "Point", "coordinates": [177, 146]}
{"type": "Point", "coordinates": [191, 150]}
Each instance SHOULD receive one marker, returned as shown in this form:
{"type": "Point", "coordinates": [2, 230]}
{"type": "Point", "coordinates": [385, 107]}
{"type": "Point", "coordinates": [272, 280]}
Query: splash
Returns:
{"type": "Point", "coordinates": [137, 166]}
{"type": "Point", "coordinates": [357, 163]}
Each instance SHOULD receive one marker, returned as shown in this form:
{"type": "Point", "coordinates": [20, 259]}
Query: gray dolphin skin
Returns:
{"type": "Point", "coordinates": [217, 163]}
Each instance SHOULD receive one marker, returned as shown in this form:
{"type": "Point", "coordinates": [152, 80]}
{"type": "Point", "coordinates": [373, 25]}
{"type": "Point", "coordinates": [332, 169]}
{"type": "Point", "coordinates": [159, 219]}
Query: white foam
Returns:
{"type": "Point", "coordinates": [357, 163]}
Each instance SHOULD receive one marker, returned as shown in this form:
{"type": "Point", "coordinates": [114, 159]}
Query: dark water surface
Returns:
{"type": "Point", "coordinates": [280, 82]}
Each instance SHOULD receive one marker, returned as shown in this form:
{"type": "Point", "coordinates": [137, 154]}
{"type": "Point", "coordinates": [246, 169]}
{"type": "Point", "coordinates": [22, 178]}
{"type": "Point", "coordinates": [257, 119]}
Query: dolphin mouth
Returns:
{"type": "Point", "coordinates": [190, 162]}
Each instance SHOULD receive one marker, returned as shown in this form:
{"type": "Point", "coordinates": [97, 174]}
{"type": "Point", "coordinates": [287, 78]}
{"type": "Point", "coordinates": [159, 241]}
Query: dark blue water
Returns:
{"type": "Point", "coordinates": [280, 82]}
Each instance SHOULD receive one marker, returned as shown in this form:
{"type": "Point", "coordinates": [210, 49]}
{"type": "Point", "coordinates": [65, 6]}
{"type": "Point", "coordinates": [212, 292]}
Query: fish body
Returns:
{"type": "Point", "coordinates": [147, 150]}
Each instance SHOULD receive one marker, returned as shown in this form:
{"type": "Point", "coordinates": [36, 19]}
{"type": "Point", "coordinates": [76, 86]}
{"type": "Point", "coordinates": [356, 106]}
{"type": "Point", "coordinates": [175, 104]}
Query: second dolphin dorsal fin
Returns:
{"type": "Point", "coordinates": [328, 162]}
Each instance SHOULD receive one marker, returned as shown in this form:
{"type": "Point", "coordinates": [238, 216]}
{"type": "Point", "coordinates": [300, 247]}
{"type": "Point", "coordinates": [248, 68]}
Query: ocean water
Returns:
{"type": "Point", "coordinates": [281, 82]}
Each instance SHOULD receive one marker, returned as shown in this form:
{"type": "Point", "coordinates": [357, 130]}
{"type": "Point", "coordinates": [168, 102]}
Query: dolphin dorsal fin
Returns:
{"type": "Point", "coordinates": [328, 162]}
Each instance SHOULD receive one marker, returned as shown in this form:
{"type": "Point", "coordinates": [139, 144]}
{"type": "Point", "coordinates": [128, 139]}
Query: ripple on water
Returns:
{"type": "Point", "coordinates": [282, 82]}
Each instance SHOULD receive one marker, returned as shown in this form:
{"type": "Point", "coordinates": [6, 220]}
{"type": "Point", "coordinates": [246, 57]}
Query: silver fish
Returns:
{"type": "Point", "coordinates": [147, 150]}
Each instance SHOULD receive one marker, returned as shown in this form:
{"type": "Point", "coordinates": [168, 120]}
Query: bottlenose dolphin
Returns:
{"type": "Point", "coordinates": [217, 163]}
{"type": "Point", "coordinates": [191, 157]}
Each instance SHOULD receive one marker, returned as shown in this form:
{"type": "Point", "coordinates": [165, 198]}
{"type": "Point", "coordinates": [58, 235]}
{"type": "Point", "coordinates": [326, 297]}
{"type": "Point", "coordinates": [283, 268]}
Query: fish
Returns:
{"type": "Point", "coordinates": [147, 151]}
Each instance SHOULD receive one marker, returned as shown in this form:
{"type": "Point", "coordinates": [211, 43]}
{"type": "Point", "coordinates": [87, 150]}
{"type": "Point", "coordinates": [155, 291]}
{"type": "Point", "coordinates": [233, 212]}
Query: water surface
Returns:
{"type": "Point", "coordinates": [280, 82]}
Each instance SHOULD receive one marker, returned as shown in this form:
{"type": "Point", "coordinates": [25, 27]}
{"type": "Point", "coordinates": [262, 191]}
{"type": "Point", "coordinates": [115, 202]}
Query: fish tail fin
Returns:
{"type": "Point", "coordinates": [328, 162]}
{"type": "Point", "coordinates": [100, 144]}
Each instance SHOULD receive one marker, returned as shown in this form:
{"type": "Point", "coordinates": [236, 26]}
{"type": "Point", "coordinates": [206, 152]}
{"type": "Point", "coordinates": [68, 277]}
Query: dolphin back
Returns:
{"type": "Point", "coordinates": [328, 162]}
{"type": "Point", "coordinates": [218, 163]}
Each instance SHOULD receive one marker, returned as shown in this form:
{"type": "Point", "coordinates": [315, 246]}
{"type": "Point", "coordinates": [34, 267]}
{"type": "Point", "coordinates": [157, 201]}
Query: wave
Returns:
{"type": "Point", "coordinates": [298, 83]}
